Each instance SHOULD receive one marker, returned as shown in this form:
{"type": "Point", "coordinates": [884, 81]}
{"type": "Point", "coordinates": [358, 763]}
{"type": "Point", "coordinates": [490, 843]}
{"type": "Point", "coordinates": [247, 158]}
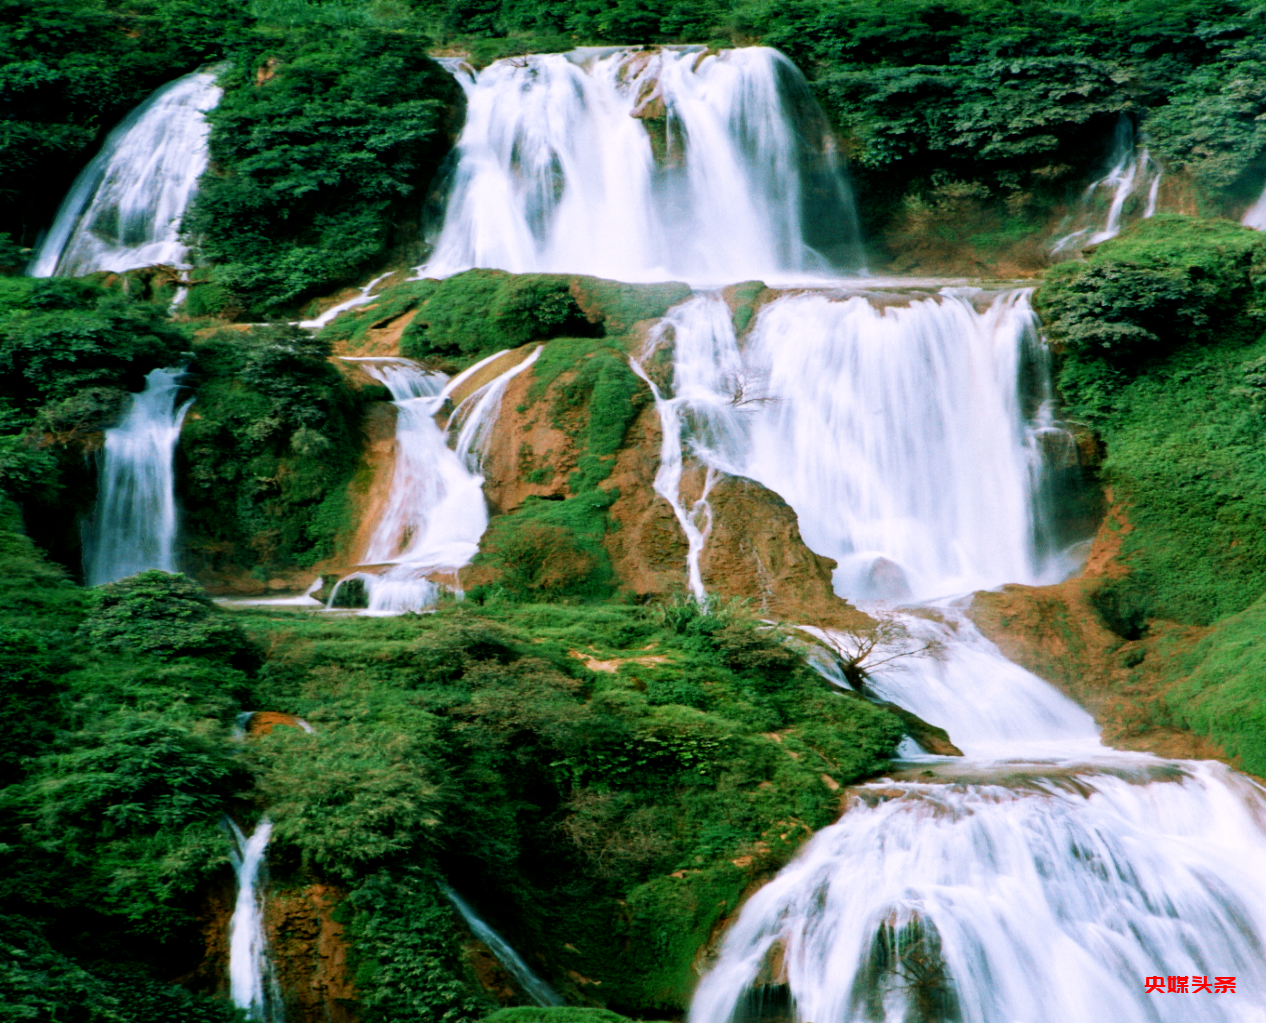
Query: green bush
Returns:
{"type": "Point", "coordinates": [325, 141]}
{"type": "Point", "coordinates": [482, 311]}
{"type": "Point", "coordinates": [267, 451]}
{"type": "Point", "coordinates": [164, 615]}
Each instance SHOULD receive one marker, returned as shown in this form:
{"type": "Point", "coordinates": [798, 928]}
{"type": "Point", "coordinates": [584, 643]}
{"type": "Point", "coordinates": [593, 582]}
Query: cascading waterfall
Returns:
{"type": "Point", "coordinates": [529, 983]}
{"type": "Point", "coordinates": [916, 467]}
{"type": "Point", "coordinates": [1043, 877]}
{"type": "Point", "coordinates": [436, 512]}
{"type": "Point", "coordinates": [134, 525]}
{"type": "Point", "coordinates": [125, 208]}
{"type": "Point", "coordinates": [644, 165]}
{"type": "Point", "coordinates": [1134, 178]}
{"type": "Point", "coordinates": [252, 983]}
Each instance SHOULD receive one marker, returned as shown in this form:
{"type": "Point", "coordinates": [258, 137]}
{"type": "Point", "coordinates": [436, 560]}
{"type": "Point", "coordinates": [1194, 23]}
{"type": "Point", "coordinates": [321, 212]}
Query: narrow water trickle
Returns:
{"type": "Point", "coordinates": [645, 165]}
{"type": "Point", "coordinates": [1131, 187]}
{"type": "Point", "coordinates": [252, 981]}
{"type": "Point", "coordinates": [125, 208]}
{"type": "Point", "coordinates": [529, 983]}
{"type": "Point", "coordinates": [134, 525]}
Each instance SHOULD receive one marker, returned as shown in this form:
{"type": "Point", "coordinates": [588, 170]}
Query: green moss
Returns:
{"type": "Point", "coordinates": [1221, 687]}
{"type": "Point", "coordinates": [622, 305]}
{"type": "Point", "coordinates": [479, 312]}
{"type": "Point", "coordinates": [353, 326]}
{"type": "Point", "coordinates": [551, 549]}
{"type": "Point", "coordinates": [554, 1014]}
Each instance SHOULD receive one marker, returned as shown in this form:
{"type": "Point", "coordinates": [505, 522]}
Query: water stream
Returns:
{"type": "Point", "coordinates": [125, 208]}
{"type": "Point", "coordinates": [1043, 877]}
{"type": "Point", "coordinates": [529, 983]}
{"type": "Point", "coordinates": [252, 982]}
{"type": "Point", "coordinates": [1131, 188]}
{"type": "Point", "coordinates": [646, 165]}
{"type": "Point", "coordinates": [134, 525]}
{"type": "Point", "coordinates": [435, 512]}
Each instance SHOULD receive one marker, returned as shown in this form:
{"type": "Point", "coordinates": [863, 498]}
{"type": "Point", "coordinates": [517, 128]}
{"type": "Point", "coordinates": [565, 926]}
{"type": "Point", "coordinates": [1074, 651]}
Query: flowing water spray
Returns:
{"type": "Point", "coordinates": [134, 525]}
{"type": "Point", "coordinates": [1042, 877]}
{"type": "Point", "coordinates": [531, 985]}
{"type": "Point", "coordinates": [435, 513]}
{"type": "Point", "coordinates": [646, 165]}
{"type": "Point", "coordinates": [125, 208]}
{"type": "Point", "coordinates": [1131, 187]}
{"type": "Point", "coordinates": [252, 982]}
{"type": "Point", "coordinates": [915, 467]}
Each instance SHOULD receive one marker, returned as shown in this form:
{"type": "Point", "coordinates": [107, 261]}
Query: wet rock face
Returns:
{"type": "Point", "coordinates": [755, 550]}
{"type": "Point", "coordinates": [309, 953]}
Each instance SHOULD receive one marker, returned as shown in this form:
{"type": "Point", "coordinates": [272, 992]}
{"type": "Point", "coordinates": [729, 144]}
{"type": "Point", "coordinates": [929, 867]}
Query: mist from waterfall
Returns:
{"type": "Point", "coordinates": [1130, 187]}
{"type": "Point", "coordinates": [917, 466]}
{"type": "Point", "coordinates": [133, 527]}
{"type": "Point", "coordinates": [646, 165]}
{"type": "Point", "coordinates": [125, 208]}
{"type": "Point", "coordinates": [252, 981]}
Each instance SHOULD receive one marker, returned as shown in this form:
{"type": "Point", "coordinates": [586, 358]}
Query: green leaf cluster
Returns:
{"type": "Point", "coordinates": [324, 143]}
{"type": "Point", "coordinates": [267, 451]}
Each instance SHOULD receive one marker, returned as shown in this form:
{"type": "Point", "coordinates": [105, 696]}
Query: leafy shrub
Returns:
{"type": "Point", "coordinates": [164, 615]}
{"type": "Point", "coordinates": [267, 452]}
{"type": "Point", "coordinates": [482, 311]}
{"type": "Point", "coordinates": [326, 139]}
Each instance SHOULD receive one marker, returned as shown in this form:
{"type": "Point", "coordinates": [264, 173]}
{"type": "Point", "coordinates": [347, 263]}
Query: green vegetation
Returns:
{"type": "Point", "coordinates": [116, 769]}
{"type": "Point", "coordinates": [464, 318]}
{"type": "Point", "coordinates": [267, 452]}
{"type": "Point", "coordinates": [1162, 347]}
{"type": "Point", "coordinates": [604, 818]}
{"type": "Point", "coordinates": [1219, 687]}
{"type": "Point", "coordinates": [70, 352]}
{"type": "Point", "coordinates": [325, 141]}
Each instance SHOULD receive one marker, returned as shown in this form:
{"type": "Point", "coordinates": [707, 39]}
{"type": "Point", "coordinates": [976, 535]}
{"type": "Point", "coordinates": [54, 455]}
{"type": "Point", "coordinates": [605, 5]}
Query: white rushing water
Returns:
{"type": "Point", "coordinates": [1130, 189]}
{"type": "Point", "coordinates": [435, 512]}
{"type": "Point", "coordinates": [1043, 878]}
{"type": "Point", "coordinates": [134, 525]}
{"type": "Point", "coordinates": [644, 165]}
{"type": "Point", "coordinates": [915, 466]}
{"type": "Point", "coordinates": [529, 983]}
{"type": "Point", "coordinates": [252, 983]}
{"type": "Point", "coordinates": [125, 208]}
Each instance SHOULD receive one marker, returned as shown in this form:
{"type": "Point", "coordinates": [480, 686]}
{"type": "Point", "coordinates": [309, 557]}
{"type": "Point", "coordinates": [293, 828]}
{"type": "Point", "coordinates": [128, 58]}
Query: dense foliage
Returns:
{"type": "Point", "coordinates": [70, 353]}
{"type": "Point", "coordinates": [323, 146]}
{"type": "Point", "coordinates": [116, 770]}
{"type": "Point", "coordinates": [268, 450]}
{"type": "Point", "coordinates": [601, 782]}
{"type": "Point", "coordinates": [1161, 334]}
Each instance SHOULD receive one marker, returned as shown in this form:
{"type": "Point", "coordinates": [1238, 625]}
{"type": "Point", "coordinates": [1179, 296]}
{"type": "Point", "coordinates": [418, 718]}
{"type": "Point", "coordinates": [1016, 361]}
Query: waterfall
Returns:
{"type": "Point", "coordinates": [125, 208]}
{"type": "Point", "coordinates": [531, 985]}
{"type": "Point", "coordinates": [1043, 896]}
{"type": "Point", "coordinates": [646, 165]}
{"type": "Point", "coordinates": [252, 983]}
{"type": "Point", "coordinates": [134, 525]}
{"type": "Point", "coordinates": [435, 513]}
{"type": "Point", "coordinates": [1043, 877]}
{"type": "Point", "coordinates": [916, 467]}
{"type": "Point", "coordinates": [1133, 173]}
